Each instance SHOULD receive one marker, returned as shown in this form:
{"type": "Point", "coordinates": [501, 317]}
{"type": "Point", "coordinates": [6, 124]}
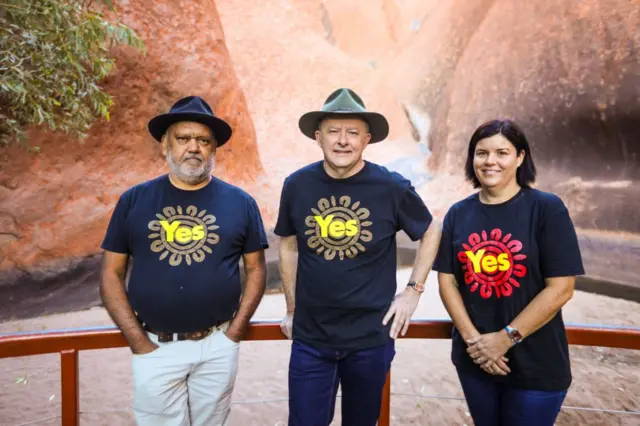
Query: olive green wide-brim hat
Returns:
{"type": "Point", "coordinates": [345, 102]}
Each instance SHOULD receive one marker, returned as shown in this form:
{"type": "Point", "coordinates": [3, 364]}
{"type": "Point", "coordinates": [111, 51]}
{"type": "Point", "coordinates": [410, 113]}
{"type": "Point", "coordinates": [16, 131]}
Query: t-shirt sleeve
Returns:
{"type": "Point", "coordinates": [559, 250]}
{"type": "Point", "coordinates": [444, 258]}
{"type": "Point", "coordinates": [256, 237]}
{"type": "Point", "coordinates": [414, 217]}
{"type": "Point", "coordinates": [116, 238]}
{"type": "Point", "coordinates": [284, 225]}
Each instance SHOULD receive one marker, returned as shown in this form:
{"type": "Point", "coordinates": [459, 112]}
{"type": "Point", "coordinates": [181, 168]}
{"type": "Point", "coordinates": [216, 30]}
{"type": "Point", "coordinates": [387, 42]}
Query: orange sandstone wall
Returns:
{"type": "Point", "coordinates": [56, 204]}
{"type": "Point", "coordinates": [568, 72]}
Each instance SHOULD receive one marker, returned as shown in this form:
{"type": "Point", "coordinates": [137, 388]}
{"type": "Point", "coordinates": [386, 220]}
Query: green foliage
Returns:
{"type": "Point", "coordinates": [53, 54]}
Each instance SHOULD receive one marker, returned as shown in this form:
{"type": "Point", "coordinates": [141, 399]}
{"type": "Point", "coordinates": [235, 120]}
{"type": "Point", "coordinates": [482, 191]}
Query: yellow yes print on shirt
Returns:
{"type": "Point", "coordinates": [492, 262]}
{"type": "Point", "coordinates": [184, 236]}
{"type": "Point", "coordinates": [337, 228]}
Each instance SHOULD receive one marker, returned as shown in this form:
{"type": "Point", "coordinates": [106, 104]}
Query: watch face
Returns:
{"type": "Point", "coordinates": [515, 335]}
{"type": "Point", "coordinates": [419, 287]}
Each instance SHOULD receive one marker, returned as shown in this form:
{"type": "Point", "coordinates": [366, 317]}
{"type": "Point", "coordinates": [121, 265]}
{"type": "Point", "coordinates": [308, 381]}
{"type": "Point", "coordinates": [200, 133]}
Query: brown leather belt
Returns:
{"type": "Point", "coordinates": [192, 335]}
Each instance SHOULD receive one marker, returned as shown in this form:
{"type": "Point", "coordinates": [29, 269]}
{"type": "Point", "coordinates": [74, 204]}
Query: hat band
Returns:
{"type": "Point", "coordinates": [344, 110]}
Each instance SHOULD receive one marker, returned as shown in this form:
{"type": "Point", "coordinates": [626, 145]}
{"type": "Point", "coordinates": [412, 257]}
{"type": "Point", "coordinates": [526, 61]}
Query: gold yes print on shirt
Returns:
{"type": "Point", "coordinates": [183, 233]}
{"type": "Point", "coordinates": [337, 228]}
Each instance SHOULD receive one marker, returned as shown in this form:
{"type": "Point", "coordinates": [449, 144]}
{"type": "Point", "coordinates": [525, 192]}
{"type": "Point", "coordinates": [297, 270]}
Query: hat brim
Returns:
{"type": "Point", "coordinates": [378, 124]}
{"type": "Point", "coordinates": [220, 128]}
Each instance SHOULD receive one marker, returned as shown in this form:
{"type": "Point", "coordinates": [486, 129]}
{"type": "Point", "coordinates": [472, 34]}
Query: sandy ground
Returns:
{"type": "Point", "coordinates": [424, 388]}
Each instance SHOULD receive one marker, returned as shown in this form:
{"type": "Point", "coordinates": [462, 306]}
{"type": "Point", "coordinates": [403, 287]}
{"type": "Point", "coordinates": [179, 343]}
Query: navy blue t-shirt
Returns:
{"type": "Point", "coordinates": [500, 255]}
{"type": "Point", "coordinates": [186, 246]}
{"type": "Point", "coordinates": [346, 234]}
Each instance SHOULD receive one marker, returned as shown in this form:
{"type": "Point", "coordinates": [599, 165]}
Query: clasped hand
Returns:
{"type": "Point", "coordinates": [488, 351]}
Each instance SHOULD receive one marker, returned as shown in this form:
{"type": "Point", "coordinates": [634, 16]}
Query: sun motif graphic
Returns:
{"type": "Point", "coordinates": [342, 224]}
{"type": "Point", "coordinates": [184, 235]}
{"type": "Point", "coordinates": [490, 263]}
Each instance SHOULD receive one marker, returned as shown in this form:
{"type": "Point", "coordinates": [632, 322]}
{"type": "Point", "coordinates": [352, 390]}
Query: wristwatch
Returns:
{"type": "Point", "coordinates": [419, 287]}
{"type": "Point", "coordinates": [513, 334]}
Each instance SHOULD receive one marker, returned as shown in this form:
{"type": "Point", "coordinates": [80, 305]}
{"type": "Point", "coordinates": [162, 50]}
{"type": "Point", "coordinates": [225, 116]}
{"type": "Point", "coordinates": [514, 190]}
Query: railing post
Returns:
{"type": "Point", "coordinates": [385, 410]}
{"type": "Point", "coordinates": [70, 388]}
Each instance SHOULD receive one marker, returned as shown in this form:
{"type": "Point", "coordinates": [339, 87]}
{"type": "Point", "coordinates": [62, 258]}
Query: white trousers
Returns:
{"type": "Point", "coordinates": [186, 383]}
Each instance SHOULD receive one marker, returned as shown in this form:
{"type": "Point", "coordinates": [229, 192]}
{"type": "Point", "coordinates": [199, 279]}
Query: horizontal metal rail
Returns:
{"type": "Point", "coordinates": [68, 342]}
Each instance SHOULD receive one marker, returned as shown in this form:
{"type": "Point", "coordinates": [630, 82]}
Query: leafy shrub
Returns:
{"type": "Point", "coordinates": [53, 54]}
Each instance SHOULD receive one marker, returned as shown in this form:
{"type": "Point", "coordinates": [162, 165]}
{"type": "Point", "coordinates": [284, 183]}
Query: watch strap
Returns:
{"type": "Point", "coordinates": [417, 287]}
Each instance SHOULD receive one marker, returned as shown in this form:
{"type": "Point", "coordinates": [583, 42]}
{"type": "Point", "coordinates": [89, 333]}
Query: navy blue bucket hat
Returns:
{"type": "Point", "coordinates": [191, 108]}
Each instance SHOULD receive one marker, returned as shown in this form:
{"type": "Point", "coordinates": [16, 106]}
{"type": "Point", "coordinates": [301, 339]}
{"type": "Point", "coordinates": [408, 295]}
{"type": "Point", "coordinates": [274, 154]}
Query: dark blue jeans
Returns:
{"type": "Point", "coordinates": [314, 375]}
{"type": "Point", "coordinates": [494, 404]}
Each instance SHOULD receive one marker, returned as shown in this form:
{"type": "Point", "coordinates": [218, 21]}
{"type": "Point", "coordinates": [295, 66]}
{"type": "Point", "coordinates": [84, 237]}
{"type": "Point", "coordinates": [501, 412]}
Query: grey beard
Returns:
{"type": "Point", "coordinates": [188, 174]}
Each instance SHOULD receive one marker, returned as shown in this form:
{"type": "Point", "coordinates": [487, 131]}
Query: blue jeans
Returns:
{"type": "Point", "coordinates": [314, 375]}
{"type": "Point", "coordinates": [496, 404]}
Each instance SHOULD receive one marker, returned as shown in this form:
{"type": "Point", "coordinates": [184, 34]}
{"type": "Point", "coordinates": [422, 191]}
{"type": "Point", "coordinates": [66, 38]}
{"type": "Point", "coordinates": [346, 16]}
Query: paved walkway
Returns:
{"type": "Point", "coordinates": [425, 390]}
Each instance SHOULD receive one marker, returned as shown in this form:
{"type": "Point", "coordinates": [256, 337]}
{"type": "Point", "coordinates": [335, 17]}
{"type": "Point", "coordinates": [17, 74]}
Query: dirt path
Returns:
{"type": "Point", "coordinates": [425, 389]}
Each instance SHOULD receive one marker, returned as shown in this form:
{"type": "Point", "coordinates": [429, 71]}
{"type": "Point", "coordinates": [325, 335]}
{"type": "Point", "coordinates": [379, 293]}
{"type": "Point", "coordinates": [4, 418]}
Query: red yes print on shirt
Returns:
{"type": "Point", "coordinates": [491, 263]}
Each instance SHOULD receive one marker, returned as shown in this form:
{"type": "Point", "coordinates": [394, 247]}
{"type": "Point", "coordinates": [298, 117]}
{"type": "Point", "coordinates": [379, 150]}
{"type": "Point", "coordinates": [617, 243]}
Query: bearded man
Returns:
{"type": "Point", "coordinates": [185, 309]}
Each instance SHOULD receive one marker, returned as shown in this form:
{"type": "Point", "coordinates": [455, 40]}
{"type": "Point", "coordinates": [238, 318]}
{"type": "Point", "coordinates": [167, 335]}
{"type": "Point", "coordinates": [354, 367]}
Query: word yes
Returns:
{"type": "Point", "coordinates": [336, 228]}
{"type": "Point", "coordinates": [488, 263]}
{"type": "Point", "coordinates": [184, 234]}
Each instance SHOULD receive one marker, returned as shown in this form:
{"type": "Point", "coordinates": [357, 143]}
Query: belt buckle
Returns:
{"type": "Point", "coordinates": [196, 335]}
{"type": "Point", "coordinates": [165, 337]}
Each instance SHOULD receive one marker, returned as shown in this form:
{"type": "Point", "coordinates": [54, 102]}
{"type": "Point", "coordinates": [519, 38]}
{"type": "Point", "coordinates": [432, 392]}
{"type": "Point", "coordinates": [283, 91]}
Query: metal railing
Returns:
{"type": "Point", "coordinates": [69, 342]}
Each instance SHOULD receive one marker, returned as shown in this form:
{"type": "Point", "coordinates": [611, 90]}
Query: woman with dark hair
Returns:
{"type": "Point", "coordinates": [506, 266]}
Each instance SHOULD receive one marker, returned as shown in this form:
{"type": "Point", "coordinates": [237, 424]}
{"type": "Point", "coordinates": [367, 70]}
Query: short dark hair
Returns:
{"type": "Point", "coordinates": [526, 174]}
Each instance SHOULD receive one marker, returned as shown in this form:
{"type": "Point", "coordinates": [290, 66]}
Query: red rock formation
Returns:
{"type": "Point", "coordinates": [568, 73]}
{"type": "Point", "coordinates": [56, 204]}
{"type": "Point", "coordinates": [440, 32]}
{"type": "Point", "coordinates": [287, 65]}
